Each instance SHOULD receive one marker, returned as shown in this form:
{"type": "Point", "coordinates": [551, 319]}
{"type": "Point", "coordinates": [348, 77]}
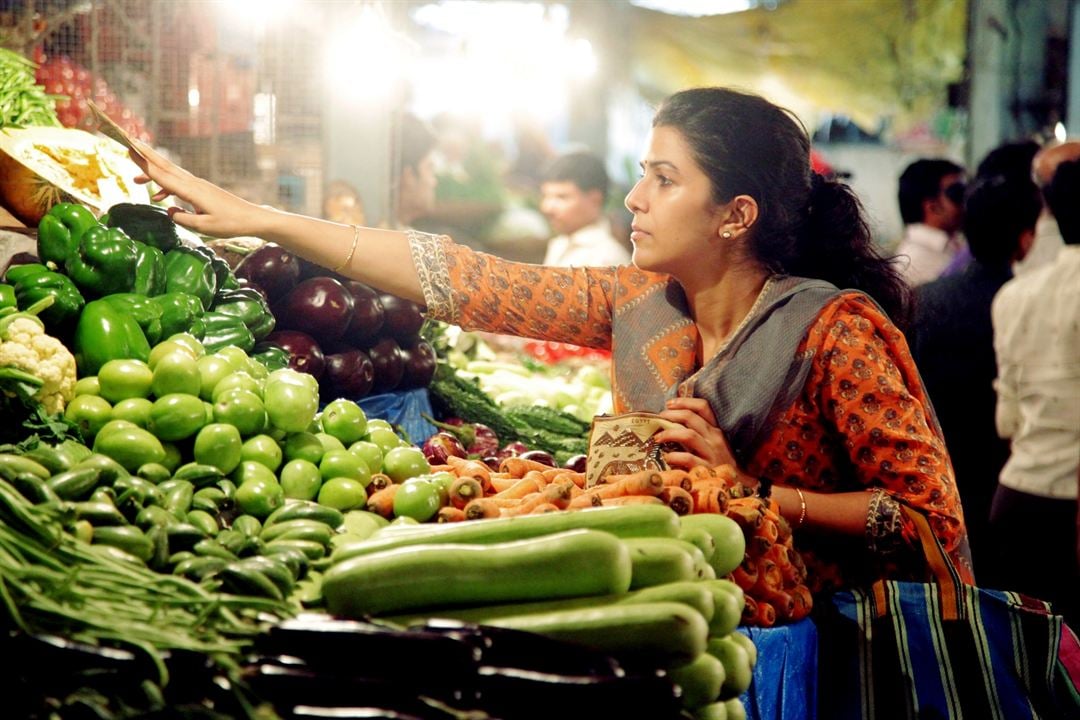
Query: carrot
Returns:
{"type": "Point", "coordinates": [378, 482]}
{"type": "Point", "coordinates": [748, 518]}
{"type": "Point", "coordinates": [709, 500]}
{"type": "Point", "coordinates": [442, 468]}
{"type": "Point", "coordinates": [464, 490]}
{"type": "Point", "coordinates": [643, 482]}
{"type": "Point", "coordinates": [746, 575]}
{"type": "Point", "coordinates": [700, 472]}
{"type": "Point", "coordinates": [555, 474]}
{"type": "Point", "coordinates": [560, 493]}
{"type": "Point", "coordinates": [631, 500]}
{"type": "Point", "coordinates": [750, 609]}
{"type": "Point", "coordinates": [527, 505]}
{"type": "Point", "coordinates": [759, 546]}
{"type": "Point", "coordinates": [769, 579]}
{"type": "Point", "coordinates": [765, 616]}
{"type": "Point", "coordinates": [585, 500]}
{"type": "Point", "coordinates": [778, 553]}
{"type": "Point", "coordinates": [804, 602]}
{"type": "Point", "coordinates": [677, 477]}
{"type": "Point", "coordinates": [501, 481]}
{"type": "Point", "coordinates": [517, 467]}
{"type": "Point", "coordinates": [544, 508]}
{"type": "Point", "coordinates": [783, 602]}
{"type": "Point", "coordinates": [768, 529]}
{"type": "Point", "coordinates": [449, 513]}
{"type": "Point", "coordinates": [525, 486]}
{"type": "Point", "coordinates": [472, 468]}
{"type": "Point", "coordinates": [677, 499]}
{"type": "Point", "coordinates": [481, 508]}
{"type": "Point", "coordinates": [381, 502]}
{"type": "Point", "coordinates": [726, 473]}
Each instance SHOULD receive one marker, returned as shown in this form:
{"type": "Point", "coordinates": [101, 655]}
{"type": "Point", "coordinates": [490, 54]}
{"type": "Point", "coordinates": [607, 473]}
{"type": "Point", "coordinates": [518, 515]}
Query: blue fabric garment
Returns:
{"type": "Point", "coordinates": [403, 409]}
{"type": "Point", "coordinates": [785, 677]}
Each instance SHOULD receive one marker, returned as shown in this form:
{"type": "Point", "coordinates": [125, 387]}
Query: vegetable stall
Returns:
{"type": "Point", "coordinates": [253, 488]}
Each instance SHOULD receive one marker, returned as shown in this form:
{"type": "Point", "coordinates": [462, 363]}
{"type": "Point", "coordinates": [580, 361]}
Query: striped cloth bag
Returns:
{"type": "Point", "coordinates": [944, 650]}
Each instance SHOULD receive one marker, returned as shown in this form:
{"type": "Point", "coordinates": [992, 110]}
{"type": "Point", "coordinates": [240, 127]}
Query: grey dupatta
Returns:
{"type": "Point", "coordinates": [753, 377]}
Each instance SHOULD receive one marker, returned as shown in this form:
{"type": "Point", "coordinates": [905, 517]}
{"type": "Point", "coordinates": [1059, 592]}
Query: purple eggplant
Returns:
{"type": "Point", "coordinates": [440, 446]}
{"type": "Point", "coordinates": [389, 366]}
{"type": "Point", "coordinates": [368, 315]}
{"type": "Point", "coordinates": [511, 449]}
{"type": "Point", "coordinates": [320, 306]}
{"type": "Point", "coordinates": [272, 268]}
{"type": "Point", "coordinates": [419, 359]}
{"type": "Point", "coordinates": [349, 373]}
{"type": "Point", "coordinates": [576, 463]}
{"type": "Point", "coordinates": [403, 317]}
{"type": "Point", "coordinates": [541, 456]}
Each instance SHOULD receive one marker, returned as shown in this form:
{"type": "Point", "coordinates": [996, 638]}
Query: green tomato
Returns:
{"type": "Point", "coordinates": [235, 380]}
{"type": "Point", "coordinates": [402, 463]}
{"type": "Point", "coordinates": [166, 348]}
{"type": "Point", "coordinates": [385, 438]}
{"type": "Point", "coordinates": [342, 463]}
{"type": "Point", "coordinates": [303, 446]}
{"type": "Point", "coordinates": [342, 493]}
{"type": "Point", "coordinates": [176, 372]}
{"type": "Point", "coordinates": [291, 400]}
{"type": "Point", "coordinates": [241, 408]}
{"type": "Point", "coordinates": [259, 497]}
{"type": "Point", "coordinates": [301, 479]}
{"type": "Point", "coordinates": [442, 480]}
{"type": "Point", "coordinates": [128, 444]}
{"type": "Point", "coordinates": [189, 341]}
{"type": "Point", "coordinates": [235, 357]}
{"type": "Point", "coordinates": [218, 444]}
{"type": "Point", "coordinates": [418, 500]}
{"type": "Point", "coordinates": [135, 410]}
{"type": "Point", "coordinates": [369, 452]}
{"type": "Point", "coordinates": [89, 413]}
{"type": "Point", "coordinates": [345, 420]}
{"type": "Point", "coordinates": [379, 423]}
{"type": "Point", "coordinates": [329, 442]}
{"type": "Point", "coordinates": [89, 385]}
{"type": "Point", "coordinates": [262, 449]}
{"type": "Point", "coordinates": [177, 416]}
{"type": "Point", "coordinates": [250, 470]}
{"type": "Point", "coordinates": [122, 379]}
{"type": "Point", "coordinates": [257, 370]}
{"type": "Point", "coordinates": [212, 370]}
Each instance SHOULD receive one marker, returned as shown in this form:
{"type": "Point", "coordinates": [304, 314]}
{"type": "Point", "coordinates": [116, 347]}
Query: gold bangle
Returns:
{"type": "Point", "coordinates": [352, 250]}
{"type": "Point", "coordinates": [802, 508]}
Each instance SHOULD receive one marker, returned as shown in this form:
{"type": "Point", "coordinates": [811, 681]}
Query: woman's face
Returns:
{"type": "Point", "coordinates": [676, 223]}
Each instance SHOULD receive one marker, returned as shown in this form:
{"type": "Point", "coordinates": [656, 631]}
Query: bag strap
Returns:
{"type": "Point", "coordinates": [941, 566]}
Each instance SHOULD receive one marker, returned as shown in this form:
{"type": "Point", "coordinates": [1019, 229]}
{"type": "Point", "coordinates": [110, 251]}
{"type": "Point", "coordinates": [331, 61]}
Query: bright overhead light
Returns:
{"type": "Point", "coordinates": [700, 8]}
{"type": "Point", "coordinates": [1059, 132]}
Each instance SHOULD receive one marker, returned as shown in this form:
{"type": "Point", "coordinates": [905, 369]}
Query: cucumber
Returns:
{"type": "Point", "coordinates": [625, 522]}
{"type": "Point", "coordinates": [306, 510]}
{"type": "Point", "coordinates": [203, 520]}
{"type": "Point", "coordinates": [75, 484]}
{"type": "Point", "coordinates": [311, 549]}
{"type": "Point", "coordinates": [247, 524]}
{"type": "Point", "coordinates": [292, 557]}
{"type": "Point", "coordinates": [198, 568]}
{"type": "Point", "coordinates": [298, 530]}
{"type": "Point", "coordinates": [659, 560]}
{"type": "Point", "coordinates": [128, 538]}
{"type": "Point", "coordinates": [701, 537]}
{"type": "Point", "coordinates": [727, 535]}
{"type": "Point", "coordinates": [11, 465]}
{"type": "Point", "coordinates": [34, 489]}
{"type": "Point", "coordinates": [748, 645]}
{"type": "Point", "coordinates": [99, 513]}
{"type": "Point", "coordinates": [736, 660]}
{"type": "Point", "coordinates": [573, 563]}
{"type": "Point", "coordinates": [661, 633]}
{"type": "Point", "coordinates": [700, 680]}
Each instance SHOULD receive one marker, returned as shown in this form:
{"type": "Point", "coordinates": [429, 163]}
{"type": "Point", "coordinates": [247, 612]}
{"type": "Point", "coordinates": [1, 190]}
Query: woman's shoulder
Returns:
{"type": "Point", "coordinates": [853, 313]}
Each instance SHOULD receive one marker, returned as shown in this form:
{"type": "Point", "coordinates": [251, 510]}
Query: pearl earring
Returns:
{"type": "Point", "coordinates": [726, 235]}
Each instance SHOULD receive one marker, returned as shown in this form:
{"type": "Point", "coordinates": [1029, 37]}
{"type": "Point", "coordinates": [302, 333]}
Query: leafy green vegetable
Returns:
{"type": "Point", "coordinates": [26, 423]}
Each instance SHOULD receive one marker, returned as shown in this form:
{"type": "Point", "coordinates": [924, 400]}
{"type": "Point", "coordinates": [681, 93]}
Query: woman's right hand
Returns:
{"type": "Point", "coordinates": [217, 212]}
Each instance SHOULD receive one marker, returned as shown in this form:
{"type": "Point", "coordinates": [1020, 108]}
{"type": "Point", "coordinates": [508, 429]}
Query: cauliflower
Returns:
{"type": "Point", "coordinates": [26, 346]}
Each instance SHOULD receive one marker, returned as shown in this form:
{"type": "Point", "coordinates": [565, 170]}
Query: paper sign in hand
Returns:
{"type": "Point", "coordinates": [105, 125]}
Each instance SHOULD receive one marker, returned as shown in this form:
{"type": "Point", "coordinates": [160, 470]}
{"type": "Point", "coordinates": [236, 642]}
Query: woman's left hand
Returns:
{"type": "Point", "coordinates": [703, 442]}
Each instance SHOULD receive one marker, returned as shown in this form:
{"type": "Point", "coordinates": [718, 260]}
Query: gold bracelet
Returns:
{"type": "Point", "coordinates": [802, 508]}
{"type": "Point", "coordinates": [352, 250]}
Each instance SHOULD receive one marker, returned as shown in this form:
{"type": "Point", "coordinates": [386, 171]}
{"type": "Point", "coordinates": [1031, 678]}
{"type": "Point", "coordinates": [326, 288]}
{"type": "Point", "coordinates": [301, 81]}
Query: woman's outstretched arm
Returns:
{"type": "Point", "coordinates": [381, 258]}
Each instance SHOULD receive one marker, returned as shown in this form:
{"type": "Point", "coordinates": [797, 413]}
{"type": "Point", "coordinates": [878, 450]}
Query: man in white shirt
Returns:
{"type": "Point", "coordinates": [1036, 318]}
{"type": "Point", "coordinates": [572, 196]}
{"type": "Point", "coordinates": [1047, 236]}
{"type": "Point", "coordinates": [931, 195]}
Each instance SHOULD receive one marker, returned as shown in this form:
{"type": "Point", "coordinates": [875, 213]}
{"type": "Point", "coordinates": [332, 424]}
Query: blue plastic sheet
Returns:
{"type": "Point", "coordinates": [785, 678]}
{"type": "Point", "coordinates": [403, 409]}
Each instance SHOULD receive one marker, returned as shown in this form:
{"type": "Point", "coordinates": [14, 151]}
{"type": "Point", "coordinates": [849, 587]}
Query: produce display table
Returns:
{"type": "Point", "coordinates": [785, 678]}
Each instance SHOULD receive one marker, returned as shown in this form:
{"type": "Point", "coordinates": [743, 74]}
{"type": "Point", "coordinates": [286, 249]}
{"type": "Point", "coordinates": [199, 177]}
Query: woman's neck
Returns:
{"type": "Point", "coordinates": [718, 308]}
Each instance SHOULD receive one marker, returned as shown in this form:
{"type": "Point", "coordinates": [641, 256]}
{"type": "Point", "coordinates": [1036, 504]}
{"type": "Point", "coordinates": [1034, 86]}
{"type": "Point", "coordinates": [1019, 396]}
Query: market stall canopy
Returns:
{"type": "Point", "coordinates": [869, 60]}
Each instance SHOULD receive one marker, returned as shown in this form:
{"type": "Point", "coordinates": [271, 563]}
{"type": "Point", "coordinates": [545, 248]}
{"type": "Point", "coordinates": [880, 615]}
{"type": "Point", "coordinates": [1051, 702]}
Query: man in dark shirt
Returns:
{"type": "Point", "coordinates": [952, 341]}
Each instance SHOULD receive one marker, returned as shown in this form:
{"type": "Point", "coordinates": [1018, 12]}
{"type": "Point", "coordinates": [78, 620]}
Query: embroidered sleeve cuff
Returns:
{"type": "Point", "coordinates": [430, 261]}
{"type": "Point", "coordinates": [884, 524]}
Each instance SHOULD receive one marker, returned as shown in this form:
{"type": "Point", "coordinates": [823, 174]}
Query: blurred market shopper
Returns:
{"type": "Point", "coordinates": [573, 192]}
{"type": "Point", "coordinates": [931, 196]}
{"type": "Point", "coordinates": [1036, 320]}
{"type": "Point", "coordinates": [731, 323]}
{"type": "Point", "coordinates": [414, 172]}
{"type": "Point", "coordinates": [952, 340]}
{"type": "Point", "coordinates": [1047, 235]}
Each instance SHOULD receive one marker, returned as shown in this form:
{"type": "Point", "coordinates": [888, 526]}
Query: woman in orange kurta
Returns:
{"type": "Point", "coordinates": [755, 317]}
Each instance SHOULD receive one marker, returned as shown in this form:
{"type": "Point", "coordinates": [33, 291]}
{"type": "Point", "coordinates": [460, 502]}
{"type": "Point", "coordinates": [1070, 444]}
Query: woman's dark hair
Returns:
{"type": "Point", "coordinates": [807, 225]}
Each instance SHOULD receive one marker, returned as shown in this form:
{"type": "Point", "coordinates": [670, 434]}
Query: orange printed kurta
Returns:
{"type": "Point", "coordinates": [862, 421]}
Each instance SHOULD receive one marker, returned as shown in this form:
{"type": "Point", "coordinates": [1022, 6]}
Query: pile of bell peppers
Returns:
{"type": "Point", "coordinates": [116, 297]}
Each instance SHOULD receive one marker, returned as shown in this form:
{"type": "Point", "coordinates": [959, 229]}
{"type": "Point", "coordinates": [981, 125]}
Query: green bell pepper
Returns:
{"type": "Point", "coordinates": [221, 330]}
{"type": "Point", "coordinates": [226, 280]}
{"type": "Point", "coordinates": [33, 281]}
{"type": "Point", "coordinates": [249, 305]}
{"type": "Point", "coordinates": [104, 262]}
{"type": "Point", "coordinates": [142, 309]}
{"type": "Point", "coordinates": [7, 297]}
{"type": "Point", "coordinates": [273, 357]}
{"type": "Point", "coordinates": [104, 333]}
{"type": "Point", "coordinates": [143, 223]}
{"type": "Point", "coordinates": [60, 230]}
{"type": "Point", "coordinates": [188, 271]}
{"type": "Point", "coordinates": [149, 270]}
{"type": "Point", "coordinates": [180, 313]}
